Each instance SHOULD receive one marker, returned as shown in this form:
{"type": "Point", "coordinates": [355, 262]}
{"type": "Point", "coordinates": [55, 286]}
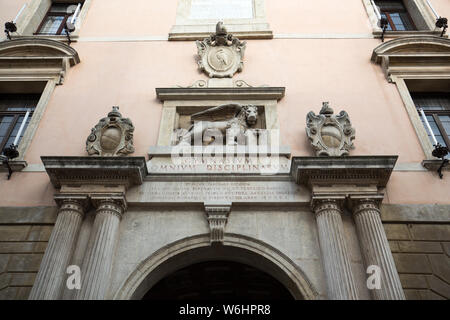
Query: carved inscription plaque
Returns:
{"type": "Point", "coordinates": [229, 191]}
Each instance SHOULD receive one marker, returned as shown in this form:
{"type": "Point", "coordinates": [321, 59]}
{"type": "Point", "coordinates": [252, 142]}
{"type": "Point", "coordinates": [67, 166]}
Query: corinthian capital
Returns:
{"type": "Point", "coordinates": [115, 205]}
{"type": "Point", "coordinates": [364, 204]}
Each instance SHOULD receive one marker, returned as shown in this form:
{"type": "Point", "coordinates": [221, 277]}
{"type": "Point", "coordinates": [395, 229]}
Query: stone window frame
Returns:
{"type": "Point", "coordinates": [33, 15]}
{"type": "Point", "coordinates": [410, 106]}
{"type": "Point", "coordinates": [425, 58]}
{"type": "Point", "coordinates": [198, 29]}
{"type": "Point", "coordinates": [22, 69]}
{"type": "Point", "coordinates": [420, 13]}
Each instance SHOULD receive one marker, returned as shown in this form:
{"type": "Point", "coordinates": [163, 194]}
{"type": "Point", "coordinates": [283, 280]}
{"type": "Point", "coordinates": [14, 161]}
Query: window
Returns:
{"type": "Point", "coordinates": [47, 18]}
{"type": "Point", "coordinates": [420, 68]}
{"type": "Point", "coordinates": [405, 18]}
{"type": "Point", "coordinates": [436, 106]}
{"type": "Point", "coordinates": [396, 14]}
{"type": "Point", "coordinates": [14, 108]}
{"type": "Point", "coordinates": [55, 20]}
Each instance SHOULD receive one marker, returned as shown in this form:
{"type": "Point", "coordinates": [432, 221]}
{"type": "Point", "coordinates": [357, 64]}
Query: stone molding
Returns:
{"type": "Point", "coordinates": [433, 165]}
{"type": "Point", "coordinates": [247, 151]}
{"type": "Point", "coordinates": [112, 171]}
{"type": "Point", "coordinates": [417, 55]}
{"type": "Point", "coordinates": [36, 59]}
{"type": "Point", "coordinates": [216, 93]}
{"type": "Point", "coordinates": [217, 216]}
{"type": "Point", "coordinates": [343, 171]}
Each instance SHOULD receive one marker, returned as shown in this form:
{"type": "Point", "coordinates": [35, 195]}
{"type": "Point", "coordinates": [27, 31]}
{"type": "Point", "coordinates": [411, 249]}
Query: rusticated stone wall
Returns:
{"type": "Point", "coordinates": [421, 249]}
{"type": "Point", "coordinates": [419, 237]}
{"type": "Point", "coordinates": [24, 233]}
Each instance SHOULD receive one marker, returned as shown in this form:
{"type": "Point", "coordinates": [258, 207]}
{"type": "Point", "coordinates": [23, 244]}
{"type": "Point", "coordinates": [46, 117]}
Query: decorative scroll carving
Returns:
{"type": "Point", "coordinates": [329, 134]}
{"type": "Point", "coordinates": [221, 54]}
{"type": "Point", "coordinates": [210, 127]}
{"type": "Point", "coordinates": [217, 215]}
{"type": "Point", "coordinates": [112, 136]}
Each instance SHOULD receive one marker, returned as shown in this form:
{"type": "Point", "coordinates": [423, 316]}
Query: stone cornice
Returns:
{"type": "Point", "coordinates": [414, 45]}
{"type": "Point", "coordinates": [125, 171]}
{"type": "Point", "coordinates": [248, 93]}
{"type": "Point", "coordinates": [413, 55]}
{"type": "Point", "coordinates": [21, 48]}
{"type": "Point", "coordinates": [353, 170]}
{"type": "Point", "coordinates": [36, 59]}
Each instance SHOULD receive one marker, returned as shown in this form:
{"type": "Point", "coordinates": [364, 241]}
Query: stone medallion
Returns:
{"type": "Point", "coordinates": [221, 54]}
{"type": "Point", "coordinates": [112, 136]}
{"type": "Point", "coordinates": [330, 134]}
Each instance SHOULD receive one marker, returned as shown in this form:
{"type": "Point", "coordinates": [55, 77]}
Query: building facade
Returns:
{"type": "Point", "coordinates": [200, 149]}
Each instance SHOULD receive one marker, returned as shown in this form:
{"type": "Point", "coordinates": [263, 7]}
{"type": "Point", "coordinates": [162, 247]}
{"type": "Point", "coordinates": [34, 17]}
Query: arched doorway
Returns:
{"type": "Point", "coordinates": [198, 249]}
{"type": "Point", "coordinates": [218, 280]}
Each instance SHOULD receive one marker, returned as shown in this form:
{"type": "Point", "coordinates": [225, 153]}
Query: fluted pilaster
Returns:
{"type": "Point", "coordinates": [376, 250]}
{"type": "Point", "coordinates": [335, 256]}
{"type": "Point", "coordinates": [98, 259]}
{"type": "Point", "coordinates": [51, 277]}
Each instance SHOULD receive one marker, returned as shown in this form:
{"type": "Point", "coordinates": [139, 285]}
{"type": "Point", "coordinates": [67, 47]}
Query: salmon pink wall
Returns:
{"type": "Point", "coordinates": [119, 69]}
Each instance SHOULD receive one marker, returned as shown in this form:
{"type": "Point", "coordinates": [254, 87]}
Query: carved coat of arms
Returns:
{"type": "Point", "coordinates": [111, 136]}
{"type": "Point", "coordinates": [221, 54]}
{"type": "Point", "coordinates": [330, 134]}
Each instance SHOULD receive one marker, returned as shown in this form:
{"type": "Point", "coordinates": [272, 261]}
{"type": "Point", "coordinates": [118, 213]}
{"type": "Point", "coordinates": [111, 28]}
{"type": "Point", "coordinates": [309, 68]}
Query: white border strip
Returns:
{"type": "Point", "coordinates": [399, 167]}
{"type": "Point", "coordinates": [275, 36]}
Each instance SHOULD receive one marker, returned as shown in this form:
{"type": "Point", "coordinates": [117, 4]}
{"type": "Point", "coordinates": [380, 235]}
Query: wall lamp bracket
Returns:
{"type": "Point", "coordinates": [440, 152]}
{"type": "Point", "coordinates": [69, 29]}
{"type": "Point", "coordinates": [9, 154]}
{"type": "Point", "coordinates": [442, 22]}
{"type": "Point", "coordinates": [9, 28]}
{"type": "Point", "coordinates": [383, 26]}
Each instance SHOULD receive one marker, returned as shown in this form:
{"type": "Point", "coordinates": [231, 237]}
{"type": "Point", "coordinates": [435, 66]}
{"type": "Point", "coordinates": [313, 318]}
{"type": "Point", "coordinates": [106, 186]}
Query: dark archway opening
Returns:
{"type": "Point", "coordinates": [218, 280]}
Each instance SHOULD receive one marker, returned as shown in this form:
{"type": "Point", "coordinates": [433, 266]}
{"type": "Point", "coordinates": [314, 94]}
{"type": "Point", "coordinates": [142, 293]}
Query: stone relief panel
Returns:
{"type": "Point", "coordinates": [330, 134]}
{"type": "Point", "coordinates": [221, 54]}
{"type": "Point", "coordinates": [111, 136]}
{"type": "Point", "coordinates": [226, 124]}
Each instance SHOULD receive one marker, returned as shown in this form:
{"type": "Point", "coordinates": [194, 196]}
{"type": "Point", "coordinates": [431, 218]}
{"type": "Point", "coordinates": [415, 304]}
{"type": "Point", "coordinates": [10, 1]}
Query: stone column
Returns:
{"type": "Point", "coordinates": [335, 256]}
{"type": "Point", "coordinates": [376, 250]}
{"type": "Point", "coordinates": [51, 277]}
{"type": "Point", "coordinates": [98, 259]}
